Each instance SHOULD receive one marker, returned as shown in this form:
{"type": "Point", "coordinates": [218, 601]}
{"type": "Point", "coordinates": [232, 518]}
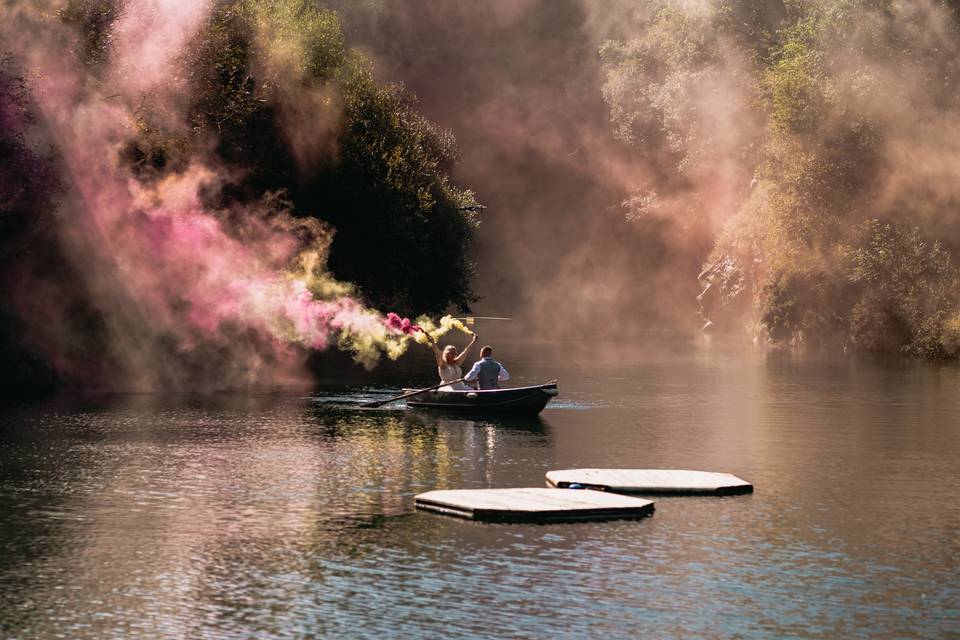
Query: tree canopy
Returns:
{"type": "Point", "coordinates": [269, 96]}
{"type": "Point", "coordinates": [831, 118]}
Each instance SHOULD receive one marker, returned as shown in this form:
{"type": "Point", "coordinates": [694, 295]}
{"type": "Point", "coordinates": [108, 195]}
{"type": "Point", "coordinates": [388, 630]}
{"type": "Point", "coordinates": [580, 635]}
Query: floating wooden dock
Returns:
{"type": "Point", "coordinates": [534, 505]}
{"type": "Point", "coordinates": [651, 481]}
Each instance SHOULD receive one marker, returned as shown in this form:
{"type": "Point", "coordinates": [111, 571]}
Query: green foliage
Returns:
{"type": "Point", "coordinates": [228, 102]}
{"type": "Point", "coordinates": [753, 25]}
{"type": "Point", "coordinates": [677, 90]}
{"type": "Point", "coordinates": [905, 290]}
{"type": "Point", "coordinates": [829, 104]}
{"type": "Point", "coordinates": [299, 38]}
{"type": "Point", "coordinates": [93, 21]}
{"type": "Point", "coordinates": [651, 80]}
{"type": "Point", "coordinates": [795, 81]}
{"type": "Point", "coordinates": [819, 183]}
{"type": "Point", "coordinates": [798, 306]}
{"type": "Point", "coordinates": [412, 236]}
{"type": "Point", "coordinates": [260, 75]}
{"type": "Point", "coordinates": [153, 152]}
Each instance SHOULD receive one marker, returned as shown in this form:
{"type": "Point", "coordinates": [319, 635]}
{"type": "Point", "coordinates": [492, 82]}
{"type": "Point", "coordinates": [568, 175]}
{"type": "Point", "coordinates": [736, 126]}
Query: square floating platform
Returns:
{"type": "Point", "coordinates": [534, 505]}
{"type": "Point", "coordinates": [651, 481]}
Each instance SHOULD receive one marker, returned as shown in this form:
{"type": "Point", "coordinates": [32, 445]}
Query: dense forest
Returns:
{"type": "Point", "coordinates": [795, 155]}
{"type": "Point", "coordinates": [278, 124]}
{"type": "Point", "coordinates": [822, 136]}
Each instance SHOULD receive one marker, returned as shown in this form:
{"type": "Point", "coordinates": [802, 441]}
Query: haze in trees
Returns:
{"type": "Point", "coordinates": [189, 187]}
{"type": "Point", "coordinates": [818, 138]}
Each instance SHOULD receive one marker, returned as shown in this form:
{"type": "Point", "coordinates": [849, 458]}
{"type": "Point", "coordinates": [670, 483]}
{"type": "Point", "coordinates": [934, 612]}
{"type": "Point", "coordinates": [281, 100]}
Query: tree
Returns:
{"type": "Point", "coordinates": [401, 234]}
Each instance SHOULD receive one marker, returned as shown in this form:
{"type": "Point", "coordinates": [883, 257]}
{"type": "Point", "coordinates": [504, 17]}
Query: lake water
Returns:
{"type": "Point", "coordinates": [292, 516]}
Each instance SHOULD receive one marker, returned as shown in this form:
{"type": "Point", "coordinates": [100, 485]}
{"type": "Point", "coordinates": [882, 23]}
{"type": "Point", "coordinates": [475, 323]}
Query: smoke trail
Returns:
{"type": "Point", "coordinates": [190, 294]}
{"type": "Point", "coordinates": [405, 328]}
{"type": "Point", "coordinates": [447, 324]}
{"type": "Point", "coordinates": [401, 325]}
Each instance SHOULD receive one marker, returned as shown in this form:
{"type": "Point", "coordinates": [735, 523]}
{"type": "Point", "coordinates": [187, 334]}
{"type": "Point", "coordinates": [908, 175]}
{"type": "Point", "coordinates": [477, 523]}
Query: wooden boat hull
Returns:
{"type": "Point", "coordinates": [515, 400]}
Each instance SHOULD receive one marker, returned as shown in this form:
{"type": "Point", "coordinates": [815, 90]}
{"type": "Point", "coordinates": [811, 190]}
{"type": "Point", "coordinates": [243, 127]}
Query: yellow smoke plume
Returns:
{"type": "Point", "coordinates": [447, 323]}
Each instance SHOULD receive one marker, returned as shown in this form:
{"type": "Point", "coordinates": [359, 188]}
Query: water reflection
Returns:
{"type": "Point", "coordinates": [148, 511]}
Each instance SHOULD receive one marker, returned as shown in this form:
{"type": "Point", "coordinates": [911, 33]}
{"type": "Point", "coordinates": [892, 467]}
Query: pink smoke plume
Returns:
{"type": "Point", "coordinates": [400, 325]}
{"type": "Point", "coordinates": [148, 36]}
{"type": "Point", "coordinates": [241, 296]}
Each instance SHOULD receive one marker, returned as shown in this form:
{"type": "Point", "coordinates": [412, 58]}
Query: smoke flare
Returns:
{"type": "Point", "coordinates": [447, 324]}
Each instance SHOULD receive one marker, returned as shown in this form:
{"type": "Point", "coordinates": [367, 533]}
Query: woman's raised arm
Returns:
{"type": "Point", "coordinates": [463, 354]}
{"type": "Point", "coordinates": [436, 350]}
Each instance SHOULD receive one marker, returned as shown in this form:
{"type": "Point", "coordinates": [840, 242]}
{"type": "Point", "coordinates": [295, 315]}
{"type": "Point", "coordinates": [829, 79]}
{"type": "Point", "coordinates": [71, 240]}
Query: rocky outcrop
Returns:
{"type": "Point", "coordinates": [725, 293]}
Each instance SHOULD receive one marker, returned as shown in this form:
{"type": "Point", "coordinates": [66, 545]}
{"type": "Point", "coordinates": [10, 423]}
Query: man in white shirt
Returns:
{"type": "Point", "coordinates": [487, 372]}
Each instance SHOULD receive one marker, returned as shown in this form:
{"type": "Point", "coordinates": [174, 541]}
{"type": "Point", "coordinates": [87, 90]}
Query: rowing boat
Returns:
{"type": "Point", "coordinates": [515, 400]}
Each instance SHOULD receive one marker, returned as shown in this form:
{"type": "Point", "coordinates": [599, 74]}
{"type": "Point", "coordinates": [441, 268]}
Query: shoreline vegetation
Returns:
{"type": "Point", "coordinates": [813, 140]}
{"type": "Point", "coordinates": [823, 134]}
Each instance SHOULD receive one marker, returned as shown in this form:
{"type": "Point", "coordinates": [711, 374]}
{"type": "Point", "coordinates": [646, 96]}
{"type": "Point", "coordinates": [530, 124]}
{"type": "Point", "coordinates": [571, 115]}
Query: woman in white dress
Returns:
{"type": "Point", "coordinates": [448, 363]}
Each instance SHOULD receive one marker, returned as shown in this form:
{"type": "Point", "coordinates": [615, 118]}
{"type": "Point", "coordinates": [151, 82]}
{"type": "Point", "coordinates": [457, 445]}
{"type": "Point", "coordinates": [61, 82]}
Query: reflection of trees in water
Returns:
{"type": "Point", "coordinates": [398, 454]}
{"type": "Point", "coordinates": [191, 512]}
{"type": "Point", "coordinates": [446, 452]}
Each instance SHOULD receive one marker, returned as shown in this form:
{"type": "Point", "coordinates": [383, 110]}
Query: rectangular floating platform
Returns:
{"type": "Point", "coordinates": [533, 505]}
{"type": "Point", "coordinates": [651, 481]}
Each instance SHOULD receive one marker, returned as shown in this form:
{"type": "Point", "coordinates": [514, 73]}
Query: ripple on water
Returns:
{"type": "Point", "coordinates": [286, 517]}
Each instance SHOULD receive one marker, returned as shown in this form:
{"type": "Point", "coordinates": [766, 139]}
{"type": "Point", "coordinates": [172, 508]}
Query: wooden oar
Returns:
{"type": "Point", "coordinates": [380, 403]}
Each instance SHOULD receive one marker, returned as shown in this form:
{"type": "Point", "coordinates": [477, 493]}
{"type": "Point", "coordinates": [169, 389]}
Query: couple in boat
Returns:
{"type": "Point", "coordinates": [487, 373]}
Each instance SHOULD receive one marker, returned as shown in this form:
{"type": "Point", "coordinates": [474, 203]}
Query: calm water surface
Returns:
{"type": "Point", "coordinates": [292, 516]}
